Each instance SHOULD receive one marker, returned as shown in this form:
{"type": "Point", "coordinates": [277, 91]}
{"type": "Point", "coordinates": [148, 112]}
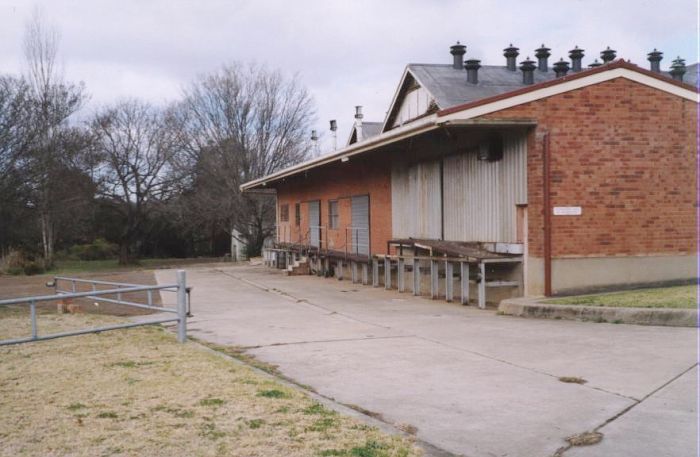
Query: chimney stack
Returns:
{"type": "Point", "coordinates": [561, 68]}
{"type": "Point", "coordinates": [457, 51]}
{"type": "Point", "coordinates": [542, 53]}
{"type": "Point", "coordinates": [334, 133]}
{"type": "Point", "coordinates": [678, 69]}
{"type": "Point", "coordinates": [472, 66]}
{"type": "Point", "coordinates": [511, 53]}
{"type": "Point", "coordinates": [358, 123]}
{"type": "Point", "coordinates": [528, 68]}
{"type": "Point", "coordinates": [654, 58]}
{"type": "Point", "coordinates": [594, 64]}
{"type": "Point", "coordinates": [358, 113]}
{"type": "Point", "coordinates": [608, 55]}
{"type": "Point", "coordinates": [576, 56]}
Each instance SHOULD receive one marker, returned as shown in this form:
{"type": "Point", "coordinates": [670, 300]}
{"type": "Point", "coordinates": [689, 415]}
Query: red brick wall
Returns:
{"type": "Point", "coordinates": [341, 181]}
{"type": "Point", "coordinates": [625, 153]}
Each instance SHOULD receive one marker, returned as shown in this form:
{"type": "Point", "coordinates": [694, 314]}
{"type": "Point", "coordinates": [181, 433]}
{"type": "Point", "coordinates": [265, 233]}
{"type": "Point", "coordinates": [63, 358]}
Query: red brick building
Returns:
{"type": "Point", "coordinates": [588, 176]}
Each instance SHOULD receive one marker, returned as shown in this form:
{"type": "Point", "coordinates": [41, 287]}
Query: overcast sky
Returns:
{"type": "Point", "coordinates": [347, 52]}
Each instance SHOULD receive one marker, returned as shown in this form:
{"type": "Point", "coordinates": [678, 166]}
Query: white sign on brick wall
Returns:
{"type": "Point", "coordinates": [567, 210]}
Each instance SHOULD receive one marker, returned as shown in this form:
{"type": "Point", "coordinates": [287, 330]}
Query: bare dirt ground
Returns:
{"type": "Point", "coordinates": [25, 286]}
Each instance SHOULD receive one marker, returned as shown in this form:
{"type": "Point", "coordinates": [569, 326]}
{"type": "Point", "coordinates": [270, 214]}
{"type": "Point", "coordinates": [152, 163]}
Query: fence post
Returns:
{"type": "Point", "coordinates": [32, 311]}
{"type": "Point", "coordinates": [181, 306]}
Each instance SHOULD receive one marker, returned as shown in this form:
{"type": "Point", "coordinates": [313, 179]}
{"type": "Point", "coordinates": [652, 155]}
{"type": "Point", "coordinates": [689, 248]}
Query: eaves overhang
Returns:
{"type": "Point", "coordinates": [468, 114]}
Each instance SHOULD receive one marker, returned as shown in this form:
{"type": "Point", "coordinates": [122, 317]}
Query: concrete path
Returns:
{"type": "Point", "coordinates": [473, 383]}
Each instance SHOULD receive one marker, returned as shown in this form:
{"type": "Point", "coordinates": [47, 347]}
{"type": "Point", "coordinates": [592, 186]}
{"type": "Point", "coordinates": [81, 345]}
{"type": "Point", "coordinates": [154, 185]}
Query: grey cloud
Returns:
{"type": "Point", "coordinates": [347, 52]}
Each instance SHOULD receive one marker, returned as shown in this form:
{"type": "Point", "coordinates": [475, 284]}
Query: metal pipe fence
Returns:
{"type": "Point", "coordinates": [181, 310]}
{"type": "Point", "coordinates": [354, 242]}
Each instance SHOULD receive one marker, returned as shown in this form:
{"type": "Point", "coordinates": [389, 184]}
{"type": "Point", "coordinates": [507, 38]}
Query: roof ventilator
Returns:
{"type": "Point", "coordinates": [654, 58]}
{"type": "Point", "coordinates": [678, 69]}
{"type": "Point", "coordinates": [542, 53]}
{"type": "Point", "coordinates": [528, 68]}
{"type": "Point", "coordinates": [561, 68]}
{"type": "Point", "coordinates": [576, 56]}
{"type": "Point", "coordinates": [608, 55]}
{"type": "Point", "coordinates": [472, 66]}
{"type": "Point", "coordinates": [511, 53]}
{"type": "Point", "coordinates": [457, 50]}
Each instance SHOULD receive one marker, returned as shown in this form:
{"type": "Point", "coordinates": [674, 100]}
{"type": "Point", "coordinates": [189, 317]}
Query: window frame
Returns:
{"type": "Point", "coordinates": [284, 212]}
{"type": "Point", "coordinates": [333, 218]}
{"type": "Point", "coordinates": [297, 214]}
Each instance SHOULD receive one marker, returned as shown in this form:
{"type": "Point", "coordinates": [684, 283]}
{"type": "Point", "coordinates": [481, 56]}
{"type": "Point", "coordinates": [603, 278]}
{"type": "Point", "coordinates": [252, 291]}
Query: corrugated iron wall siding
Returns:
{"type": "Point", "coordinates": [415, 200]}
{"type": "Point", "coordinates": [480, 197]}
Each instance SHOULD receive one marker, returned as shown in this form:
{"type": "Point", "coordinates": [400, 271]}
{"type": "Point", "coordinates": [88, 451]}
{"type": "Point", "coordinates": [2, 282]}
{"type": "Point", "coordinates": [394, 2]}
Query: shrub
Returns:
{"type": "Point", "coordinates": [16, 262]}
{"type": "Point", "coordinates": [99, 249]}
{"type": "Point", "coordinates": [33, 268]}
{"type": "Point", "coordinates": [14, 271]}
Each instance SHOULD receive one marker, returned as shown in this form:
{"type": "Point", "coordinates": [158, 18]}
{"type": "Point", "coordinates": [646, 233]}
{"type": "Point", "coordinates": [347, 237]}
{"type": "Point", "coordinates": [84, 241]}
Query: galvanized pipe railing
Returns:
{"type": "Point", "coordinates": [355, 242]}
{"type": "Point", "coordinates": [180, 287]}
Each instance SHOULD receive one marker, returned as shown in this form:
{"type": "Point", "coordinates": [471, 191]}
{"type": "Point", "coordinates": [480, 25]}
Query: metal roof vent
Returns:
{"type": "Point", "coordinates": [561, 68]}
{"type": "Point", "coordinates": [678, 69]}
{"type": "Point", "coordinates": [472, 66]}
{"type": "Point", "coordinates": [511, 53]}
{"type": "Point", "coordinates": [576, 56]}
{"type": "Point", "coordinates": [654, 58]}
{"type": "Point", "coordinates": [334, 133]}
{"type": "Point", "coordinates": [358, 112]}
{"type": "Point", "coordinates": [608, 55]}
{"type": "Point", "coordinates": [457, 51]}
{"type": "Point", "coordinates": [542, 53]}
{"type": "Point", "coordinates": [528, 68]}
{"type": "Point", "coordinates": [594, 64]}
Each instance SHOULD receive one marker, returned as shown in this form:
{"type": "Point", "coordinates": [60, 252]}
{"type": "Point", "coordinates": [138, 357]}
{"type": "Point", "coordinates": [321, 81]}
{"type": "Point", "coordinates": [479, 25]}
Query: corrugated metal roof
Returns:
{"type": "Point", "coordinates": [450, 88]}
{"type": "Point", "coordinates": [370, 129]}
{"type": "Point", "coordinates": [691, 75]}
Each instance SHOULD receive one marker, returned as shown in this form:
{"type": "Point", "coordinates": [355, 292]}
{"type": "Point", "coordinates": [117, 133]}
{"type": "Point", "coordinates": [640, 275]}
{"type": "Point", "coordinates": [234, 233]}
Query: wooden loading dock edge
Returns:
{"type": "Point", "coordinates": [362, 268]}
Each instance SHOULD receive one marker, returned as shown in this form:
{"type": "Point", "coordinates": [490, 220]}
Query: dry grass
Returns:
{"type": "Point", "coordinates": [138, 392]}
{"type": "Point", "coordinates": [585, 439]}
{"type": "Point", "coordinates": [662, 297]}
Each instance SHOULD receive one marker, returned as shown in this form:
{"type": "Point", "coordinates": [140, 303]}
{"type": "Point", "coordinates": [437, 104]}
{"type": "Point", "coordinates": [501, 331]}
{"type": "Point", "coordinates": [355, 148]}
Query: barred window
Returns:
{"type": "Point", "coordinates": [284, 213]}
{"type": "Point", "coordinates": [297, 214]}
{"type": "Point", "coordinates": [333, 214]}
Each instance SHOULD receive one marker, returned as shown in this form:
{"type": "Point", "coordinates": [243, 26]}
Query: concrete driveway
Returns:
{"type": "Point", "coordinates": [472, 383]}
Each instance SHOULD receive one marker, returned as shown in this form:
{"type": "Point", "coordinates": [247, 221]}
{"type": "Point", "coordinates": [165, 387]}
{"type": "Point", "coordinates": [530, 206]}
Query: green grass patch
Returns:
{"type": "Point", "coordinates": [76, 406]}
{"type": "Point", "coordinates": [211, 402]}
{"type": "Point", "coordinates": [682, 297]}
{"type": "Point", "coordinates": [319, 409]}
{"type": "Point", "coordinates": [107, 415]}
{"type": "Point", "coordinates": [371, 448]}
{"type": "Point", "coordinates": [274, 393]}
{"type": "Point", "coordinates": [255, 423]}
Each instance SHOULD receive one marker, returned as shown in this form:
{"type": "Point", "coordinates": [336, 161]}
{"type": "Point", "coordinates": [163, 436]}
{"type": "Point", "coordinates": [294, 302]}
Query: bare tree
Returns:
{"type": "Point", "coordinates": [137, 147]}
{"type": "Point", "coordinates": [15, 134]}
{"type": "Point", "coordinates": [53, 102]}
{"type": "Point", "coordinates": [238, 124]}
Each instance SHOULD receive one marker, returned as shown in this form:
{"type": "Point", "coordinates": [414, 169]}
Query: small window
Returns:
{"type": "Point", "coordinates": [284, 213]}
{"type": "Point", "coordinates": [333, 214]}
{"type": "Point", "coordinates": [297, 214]}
